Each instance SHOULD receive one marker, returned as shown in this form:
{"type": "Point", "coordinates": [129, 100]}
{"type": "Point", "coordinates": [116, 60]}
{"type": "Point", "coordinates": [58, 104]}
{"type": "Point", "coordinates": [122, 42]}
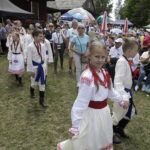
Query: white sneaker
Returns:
{"type": "Point", "coordinates": [136, 88]}
{"type": "Point", "coordinates": [143, 88]}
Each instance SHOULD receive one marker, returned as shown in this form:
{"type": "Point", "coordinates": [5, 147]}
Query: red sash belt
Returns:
{"type": "Point", "coordinates": [98, 104]}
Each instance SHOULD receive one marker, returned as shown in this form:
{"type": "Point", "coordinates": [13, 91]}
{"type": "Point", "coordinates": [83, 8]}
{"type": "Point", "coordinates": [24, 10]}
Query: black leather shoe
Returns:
{"type": "Point", "coordinates": [41, 100]}
{"type": "Point", "coordinates": [116, 140]}
{"type": "Point", "coordinates": [32, 94]}
{"type": "Point", "coordinates": [121, 126]}
{"type": "Point", "coordinates": [43, 104]}
{"type": "Point", "coordinates": [20, 81]}
{"type": "Point", "coordinates": [122, 133]}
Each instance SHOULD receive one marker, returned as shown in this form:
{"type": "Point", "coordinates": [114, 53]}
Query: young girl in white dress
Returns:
{"type": "Point", "coordinates": [91, 119]}
{"type": "Point", "coordinates": [16, 57]}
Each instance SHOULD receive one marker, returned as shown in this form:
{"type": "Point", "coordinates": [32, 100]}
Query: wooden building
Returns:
{"type": "Point", "coordinates": [38, 7]}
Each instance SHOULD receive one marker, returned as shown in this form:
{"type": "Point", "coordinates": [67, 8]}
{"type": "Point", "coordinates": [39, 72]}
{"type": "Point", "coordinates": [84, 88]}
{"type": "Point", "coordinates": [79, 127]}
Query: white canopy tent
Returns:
{"type": "Point", "coordinates": [7, 8]}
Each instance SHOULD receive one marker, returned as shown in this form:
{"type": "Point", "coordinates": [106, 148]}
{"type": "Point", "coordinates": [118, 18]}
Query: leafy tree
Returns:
{"type": "Point", "coordinates": [101, 6]}
{"type": "Point", "coordinates": [137, 11]}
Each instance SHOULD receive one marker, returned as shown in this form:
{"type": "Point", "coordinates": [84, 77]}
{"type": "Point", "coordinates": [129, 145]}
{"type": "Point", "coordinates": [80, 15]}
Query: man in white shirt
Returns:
{"type": "Point", "coordinates": [71, 33]}
{"type": "Point", "coordinates": [114, 54]}
{"type": "Point", "coordinates": [116, 51]}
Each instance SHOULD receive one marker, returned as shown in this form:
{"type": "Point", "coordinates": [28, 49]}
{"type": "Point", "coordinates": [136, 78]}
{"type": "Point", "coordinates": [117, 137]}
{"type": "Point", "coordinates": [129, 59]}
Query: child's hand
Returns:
{"type": "Point", "coordinates": [73, 131]}
{"type": "Point", "coordinates": [70, 135]}
{"type": "Point", "coordinates": [124, 104]}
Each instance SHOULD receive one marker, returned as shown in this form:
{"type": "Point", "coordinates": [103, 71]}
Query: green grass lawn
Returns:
{"type": "Point", "coordinates": [24, 125]}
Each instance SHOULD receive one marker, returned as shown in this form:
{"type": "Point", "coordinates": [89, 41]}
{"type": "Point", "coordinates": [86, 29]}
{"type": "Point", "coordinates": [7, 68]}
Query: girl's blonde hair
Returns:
{"type": "Point", "coordinates": [80, 25]}
{"type": "Point", "coordinates": [16, 34]}
{"type": "Point", "coordinates": [96, 45]}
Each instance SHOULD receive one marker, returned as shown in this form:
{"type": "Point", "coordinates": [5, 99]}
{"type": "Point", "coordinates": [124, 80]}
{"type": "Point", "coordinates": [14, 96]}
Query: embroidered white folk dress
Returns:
{"type": "Point", "coordinates": [16, 58]}
{"type": "Point", "coordinates": [92, 127]}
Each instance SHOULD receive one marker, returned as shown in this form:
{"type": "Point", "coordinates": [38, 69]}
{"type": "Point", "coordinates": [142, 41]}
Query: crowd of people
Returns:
{"type": "Point", "coordinates": [106, 67]}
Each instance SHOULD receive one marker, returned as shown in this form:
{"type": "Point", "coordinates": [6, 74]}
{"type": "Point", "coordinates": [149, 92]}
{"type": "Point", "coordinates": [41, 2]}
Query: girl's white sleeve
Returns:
{"type": "Point", "coordinates": [9, 55]}
{"type": "Point", "coordinates": [114, 95]}
{"type": "Point", "coordinates": [82, 101]}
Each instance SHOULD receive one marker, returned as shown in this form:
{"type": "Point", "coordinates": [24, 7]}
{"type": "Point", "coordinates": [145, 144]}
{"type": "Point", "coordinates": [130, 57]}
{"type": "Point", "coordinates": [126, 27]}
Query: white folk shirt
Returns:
{"type": "Point", "coordinates": [48, 49]}
{"type": "Point", "coordinates": [15, 48]}
{"type": "Point", "coordinates": [116, 52]}
{"type": "Point", "coordinates": [57, 38]}
{"type": "Point", "coordinates": [34, 56]}
{"type": "Point", "coordinates": [28, 39]}
{"type": "Point", "coordinates": [123, 77]}
{"type": "Point", "coordinates": [87, 92]}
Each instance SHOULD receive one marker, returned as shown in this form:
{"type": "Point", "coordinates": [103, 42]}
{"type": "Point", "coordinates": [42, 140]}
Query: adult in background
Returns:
{"type": "Point", "coordinates": [8, 26]}
{"type": "Point", "coordinates": [48, 34]}
{"type": "Point", "coordinates": [65, 31]}
{"type": "Point", "coordinates": [146, 41]}
{"type": "Point", "coordinates": [115, 53]}
{"type": "Point", "coordinates": [58, 46]}
{"type": "Point", "coordinates": [3, 38]}
{"type": "Point", "coordinates": [145, 60]}
{"type": "Point", "coordinates": [72, 32]}
{"type": "Point", "coordinates": [79, 46]}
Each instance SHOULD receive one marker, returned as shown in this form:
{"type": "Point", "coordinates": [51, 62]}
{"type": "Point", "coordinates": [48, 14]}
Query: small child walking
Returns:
{"type": "Point", "coordinates": [16, 57]}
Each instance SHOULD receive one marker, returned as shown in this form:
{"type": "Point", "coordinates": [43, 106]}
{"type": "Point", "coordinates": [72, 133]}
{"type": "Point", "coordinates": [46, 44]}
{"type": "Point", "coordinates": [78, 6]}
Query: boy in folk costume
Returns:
{"type": "Point", "coordinates": [91, 119]}
{"type": "Point", "coordinates": [36, 65]}
{"type": "Point", "coordinates": [49, 54]}
{"type": "Point", "coordinates": [16, 57]}
{"type": "Point", "coordinates": [123, 84]}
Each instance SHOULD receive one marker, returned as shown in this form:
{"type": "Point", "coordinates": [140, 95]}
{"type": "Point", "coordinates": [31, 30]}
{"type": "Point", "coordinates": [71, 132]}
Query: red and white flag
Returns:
{"type": "Point", "coordinates": [104, 24]}
{"type": "Point", "coordinates": [125, 29]}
